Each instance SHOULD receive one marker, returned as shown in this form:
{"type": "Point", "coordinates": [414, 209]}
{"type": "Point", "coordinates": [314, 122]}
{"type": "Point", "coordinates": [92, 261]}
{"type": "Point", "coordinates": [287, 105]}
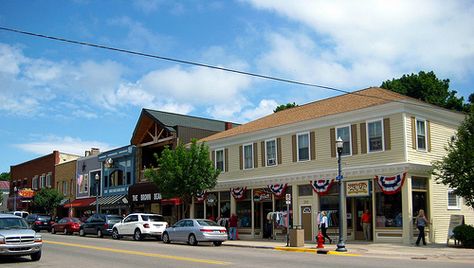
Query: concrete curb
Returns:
{"type": "Point", "coordinates": [295, 249]}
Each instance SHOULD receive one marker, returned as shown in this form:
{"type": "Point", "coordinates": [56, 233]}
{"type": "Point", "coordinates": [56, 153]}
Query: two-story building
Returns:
{"type": "Point", "coordinates": [389, 142]}
{"type": "Point", "coordinates": [65, 174]}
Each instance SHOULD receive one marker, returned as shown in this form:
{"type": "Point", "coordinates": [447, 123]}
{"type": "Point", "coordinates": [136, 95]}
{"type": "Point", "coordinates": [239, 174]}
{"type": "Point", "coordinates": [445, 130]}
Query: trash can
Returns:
{"type": "Point", "coordinates": [296, 237]}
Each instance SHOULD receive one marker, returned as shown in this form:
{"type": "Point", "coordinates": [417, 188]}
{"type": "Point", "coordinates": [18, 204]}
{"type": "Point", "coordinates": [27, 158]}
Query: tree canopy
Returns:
{"type": "Point", "coordinates": [456, 169]}
{"type": "Point", "coordinates": [47, 199]}
{"type": "Point", "coordinates": [4, 176]}
{"type": "Point", "coordinates": [284, 107]}
{"type": "Point", "coordinates": [427, 87]}
{"type": "Point", "coordinates": [184, 172]}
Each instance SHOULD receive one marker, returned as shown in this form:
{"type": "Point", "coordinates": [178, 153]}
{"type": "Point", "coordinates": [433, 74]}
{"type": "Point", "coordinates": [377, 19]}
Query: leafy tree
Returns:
{"type": "Point", "coordinates": [427, 87]}
{"type": "Point", "coordinates": [183, 172]}
{"type": "Point", "coordinates": [4, 176]}
{"type": "Point", "coordinates": [284, 107]}
{"type": "Point", "coordinates": [456, 169]}
{"type": "Point", "coordinates": [47, 199]}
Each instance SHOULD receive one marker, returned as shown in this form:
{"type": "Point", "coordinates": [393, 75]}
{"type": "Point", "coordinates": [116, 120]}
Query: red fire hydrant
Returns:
{"type": "Point", "coordinates": [320, 240]}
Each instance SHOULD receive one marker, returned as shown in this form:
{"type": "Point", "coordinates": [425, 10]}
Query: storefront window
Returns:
{"type": "Point", "coordinates": [199, 210]}
{"type": "Point", "coordinates": [330, 203]}
{"type": "Point", "coordinates": [419, 195]}
{"type": "Point", "coordinates": [225, 204]}
{"type": "Point", "coordinates": [212, 211]}
{"type": "Point", "coordinates": [244, 211]}
{"type": "Point", "coordinates": [305, 190]}
{"type": "Point", "coordinates": [388, 209]}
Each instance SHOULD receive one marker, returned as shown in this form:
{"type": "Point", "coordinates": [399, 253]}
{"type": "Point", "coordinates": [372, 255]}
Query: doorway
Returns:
{"type": "Point", "coordinates": [306, 222]}
{"type": "Point", "coordinates": [359, 205]}
{"type": "Point", "coordinates": [267, 224]}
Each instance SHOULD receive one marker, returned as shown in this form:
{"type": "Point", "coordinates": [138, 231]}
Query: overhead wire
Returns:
{"type": "Point", "coordinates": [205, 65]}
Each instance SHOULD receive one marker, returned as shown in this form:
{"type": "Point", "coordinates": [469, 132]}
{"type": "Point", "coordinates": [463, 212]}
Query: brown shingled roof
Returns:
{"type": "Point", "coordinates": [340, 104]}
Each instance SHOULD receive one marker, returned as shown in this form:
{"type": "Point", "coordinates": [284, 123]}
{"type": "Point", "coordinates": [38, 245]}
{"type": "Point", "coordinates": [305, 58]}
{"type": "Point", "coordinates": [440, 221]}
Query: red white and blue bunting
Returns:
{"type": "Point", "coordinates": [277, 189]}
{"type": "Point", "coordinates": [321, 187]}
{"type": "Point", "coordinates": [238, 192]}
{"type": "Point", "coordinates": [200, 196]}
{"type": "Point", "coordinates": [392, 184]}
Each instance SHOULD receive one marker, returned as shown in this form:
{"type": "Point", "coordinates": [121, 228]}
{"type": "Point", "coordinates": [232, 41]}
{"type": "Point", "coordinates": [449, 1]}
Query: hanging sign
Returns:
{"type": "Point", "coordinates": [211, 200]}
{"type": "Point", "coordinates": [200, 196]}
{"type": "Point", "coordinates": [357, 188]}
{"type": "Point", "coordinates": [391, 185]}
{"type": "Point", "coordinates": [238, 192]}
{"type": "Point", "coordinates": [277, 189]}
{"type": "Point", "coordinates": [321, 187]}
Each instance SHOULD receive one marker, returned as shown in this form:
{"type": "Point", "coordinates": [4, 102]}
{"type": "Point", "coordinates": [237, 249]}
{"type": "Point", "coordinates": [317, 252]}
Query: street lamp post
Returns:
{"type": "Point", "coordinates": [14, 198]}
{"type": "Point", "coordinates": [341, 247]}
{"type": "Point", "coordinates": [97, 179]}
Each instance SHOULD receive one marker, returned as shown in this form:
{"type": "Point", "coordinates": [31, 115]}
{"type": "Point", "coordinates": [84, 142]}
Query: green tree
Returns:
{"type": "Point", "coordinates": [47, 199]}
{"type": "Point", "coordinates": [183, 172]}
{"type": "Point", "coordinates": [427, 87]}
{"type": "Point", "coordinates": [284, 107]}
{"type": "Point", "coordinates": [5, 176]}
{"type": "Point", "coordinates": [456, 169]}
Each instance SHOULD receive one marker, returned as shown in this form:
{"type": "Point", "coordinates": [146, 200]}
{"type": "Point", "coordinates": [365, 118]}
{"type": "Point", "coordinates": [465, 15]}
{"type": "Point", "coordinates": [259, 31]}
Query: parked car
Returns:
{"type": "Point", "coordinates": [22, 214]}
{"type": "Point", "coordinates": [66, 226]}
{"type": "Point", "coordinates": [99, 224]}
{"type": "Point", "coordinates": [140, 225]}
{"type": "Point", "coordinates": [193, 231]}
{"type": "Point", "coordinates": [16, 239]}
{"type": "Point", "coordinates": [39, 222]}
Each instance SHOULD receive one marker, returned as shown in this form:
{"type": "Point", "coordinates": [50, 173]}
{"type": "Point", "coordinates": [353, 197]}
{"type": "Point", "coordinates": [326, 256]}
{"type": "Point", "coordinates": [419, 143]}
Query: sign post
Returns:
{"type": "Point", "coordinates": [288, 202]}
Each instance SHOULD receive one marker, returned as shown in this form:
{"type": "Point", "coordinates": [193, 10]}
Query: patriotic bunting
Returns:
{"type": "Point", "coordinates": [391, 185]}
{"type": "Point", "coordinates": [200, 196]}
{"type": "Point", "coordinates": [277, 189]}
{"type": "Point", "coordinates": [321, 187]}
{"type": "Point", "coordinates": [238, 192]}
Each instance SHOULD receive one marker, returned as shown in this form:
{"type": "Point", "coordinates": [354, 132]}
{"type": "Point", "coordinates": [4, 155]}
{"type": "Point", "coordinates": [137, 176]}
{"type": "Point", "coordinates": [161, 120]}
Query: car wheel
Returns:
{"type": "Point", "coordinates": [36, 256]}
{"type": "Point", "coordinates": [99, 233]}
{"type": "Point", "coordinates": [115, 234]}
{"type": "Point", "coordinates": [137, 235]}
{"type": "Point", "coordinates": [81, 232]}
{"type": "Point", "coordinates": [166, 238]}
{"type": "Point", "coordinates": [53, 231]}
{"type": "Point", "coordinates": [192, 240]}
{"type": "Point", "coordinates": [217, 243]}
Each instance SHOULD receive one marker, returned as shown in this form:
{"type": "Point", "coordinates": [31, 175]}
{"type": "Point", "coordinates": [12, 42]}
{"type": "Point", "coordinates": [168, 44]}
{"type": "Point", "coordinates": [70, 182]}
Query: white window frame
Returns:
{"type": "Point", "coordinates": [49, 179]}
{"type": "Point", "coordinates": [65, 188]}
{"type": "Point", "coordinates": [223, 158]}
{"type": "Point", "coordinates": [34, 183]}
{"type": "Point", "coordinates": [416, 134]}
{"type": "Point", "coordinates": [276, 153]}
{"type": "Point", "coordinates": [243, 156]}
{"type": "Point", "coordinates": [350, 139]}
{"type": "Point", "coordinates": [458, 200]}
{"type": "Point", "coordinates": [298, 148]}
{"type": "Point", "coordinates": [42, 181]}
{"type": "Point", "coordinates": [368, 136]}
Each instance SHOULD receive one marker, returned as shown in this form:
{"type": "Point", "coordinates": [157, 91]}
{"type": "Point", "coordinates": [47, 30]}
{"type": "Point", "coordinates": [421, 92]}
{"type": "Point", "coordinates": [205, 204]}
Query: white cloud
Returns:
{"type": "Point", "coordinates": [63, 144]}
{"type": "Point", "coordinates": [265, 107]}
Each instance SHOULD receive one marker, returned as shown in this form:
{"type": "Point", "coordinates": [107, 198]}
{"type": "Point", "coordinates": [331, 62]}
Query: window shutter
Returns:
{"type": "Point", "coordinates": [386, 134]}
{"type": "Point", "coordinates": [413, 133]}
{"type": "Point", "coordinates": [226, 159]}
{"type": "Point", "coordinates": [332, 143]}
{"type": "Point", "coordinates": [312, 145]}
{"type": "Point", "coordinates": [293, 147]}
{"type": "Point", "coordinates": [279, 156]}
{"type": "Point", "coordinates": [255, 155]}
{"type": "Point", "coordinates": [428, 135]}
{"type": "Point", "coordinates": [241, 164]}
{"type": "Point", "coordinates": [363, 139]}
{"type": "Point", "coordinates": [262, 153]}
{"type": "Point", "coordinates": [354, 139]}
{"type": "Point", "coordinates": [213, 157]}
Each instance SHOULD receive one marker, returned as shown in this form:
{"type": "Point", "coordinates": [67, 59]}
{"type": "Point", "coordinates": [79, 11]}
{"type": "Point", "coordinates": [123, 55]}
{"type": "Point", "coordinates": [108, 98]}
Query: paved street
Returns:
{"type": "Point", "coordinates": [61, 251]}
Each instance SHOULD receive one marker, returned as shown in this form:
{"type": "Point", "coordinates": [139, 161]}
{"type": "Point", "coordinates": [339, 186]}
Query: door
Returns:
{"type": "Point", "coordinates": [361, 204]}
{"type": "Point", "coordinates": [307, 222]}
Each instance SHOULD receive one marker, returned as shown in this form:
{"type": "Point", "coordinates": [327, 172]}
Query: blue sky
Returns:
{"type": "Point", "coordinates": [70, 98]}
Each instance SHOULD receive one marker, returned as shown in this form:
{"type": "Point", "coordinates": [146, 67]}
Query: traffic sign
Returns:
{"type": "Point", "coordinates": [288, 197]}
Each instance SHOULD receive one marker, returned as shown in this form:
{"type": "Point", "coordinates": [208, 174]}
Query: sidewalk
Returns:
{"type": "Point", "coordinates": [364, 249]}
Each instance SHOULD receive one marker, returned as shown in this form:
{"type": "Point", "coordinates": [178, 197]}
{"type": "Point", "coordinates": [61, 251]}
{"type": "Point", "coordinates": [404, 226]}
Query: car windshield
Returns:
{"type": "Point", "coordinates": [44, 218]}
{"type": "Point", "coordinates": [153, 218]}
{"type": "Point", "coordinates": [75, 220]}
{"type": "Point", "coordinates": [13, 223]}
{"type": "Point", "coordinates": [114, 219]}
{"type": "Point", "coordinates": [207, 223]}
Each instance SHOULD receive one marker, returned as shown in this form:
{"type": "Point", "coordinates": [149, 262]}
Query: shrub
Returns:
{"type": "Point", "coordinates": [465, 234]}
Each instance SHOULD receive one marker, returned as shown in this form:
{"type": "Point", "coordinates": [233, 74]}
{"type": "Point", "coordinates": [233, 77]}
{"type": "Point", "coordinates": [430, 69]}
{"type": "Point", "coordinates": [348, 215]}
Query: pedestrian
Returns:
{"type": "Point", "coordinates": [365, 222]}
{"type": "Point", "coordinates": [323, 226]}
{"type": "Point", "coordinates": [233, 227]}
{"type": "Point", "coordinates": [421, 222]}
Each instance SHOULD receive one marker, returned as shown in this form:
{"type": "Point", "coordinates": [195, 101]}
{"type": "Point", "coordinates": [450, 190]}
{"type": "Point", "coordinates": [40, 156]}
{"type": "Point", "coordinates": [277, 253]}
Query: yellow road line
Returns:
{"type": "Point", "coordinates": [139, 253]}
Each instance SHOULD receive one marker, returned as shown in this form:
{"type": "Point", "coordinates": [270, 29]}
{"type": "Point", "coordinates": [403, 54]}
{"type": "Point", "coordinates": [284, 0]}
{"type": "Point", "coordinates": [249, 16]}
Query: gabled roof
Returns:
{"type": "Point", "coordinates": [340, 104]}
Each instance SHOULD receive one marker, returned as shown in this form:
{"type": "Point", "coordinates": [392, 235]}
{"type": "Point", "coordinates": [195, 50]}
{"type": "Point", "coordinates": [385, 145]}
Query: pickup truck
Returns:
{"type": "Point", "coordinates": [16, 239]}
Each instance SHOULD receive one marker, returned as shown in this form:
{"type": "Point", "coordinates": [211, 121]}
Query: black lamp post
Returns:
{"type": "Point", "coordinates": [341, 247]}
{"type": "Point", "coordinates": [14, 197]}
{"type": "Point", "coordinates": [97, 180]}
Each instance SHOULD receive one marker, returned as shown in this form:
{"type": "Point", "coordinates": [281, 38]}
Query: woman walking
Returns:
{"type": "Point", "coordinates": [323, 225]}
{"type": "Point", "coordinates": [421, 222]}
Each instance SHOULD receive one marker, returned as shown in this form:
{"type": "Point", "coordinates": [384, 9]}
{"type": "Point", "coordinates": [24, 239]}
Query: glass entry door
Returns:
{"type": "Point", "coordinates": [361, 204]}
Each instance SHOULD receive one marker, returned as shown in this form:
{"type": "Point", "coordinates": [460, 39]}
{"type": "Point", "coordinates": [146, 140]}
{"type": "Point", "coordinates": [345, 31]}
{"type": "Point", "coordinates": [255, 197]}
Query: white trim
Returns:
{"type": "Point", "coordinates": [298, 149]}
{"type": "Point", "coordinates": [276, 152]}
{"type": "Point", "coordinates": [223, 159]}
{"type": "Point", "coordinates": [350, 138]}
{"type": "Point", "coordinates": [243, 156]}
{"type": "Point", "coordinates": [458, 200]}
{"type": "Point", "coordinates": [416, 134]}
{"type": "Point", "coordinates": [405, 143]}
{"type": "Point", "coordinates": [367, 122]}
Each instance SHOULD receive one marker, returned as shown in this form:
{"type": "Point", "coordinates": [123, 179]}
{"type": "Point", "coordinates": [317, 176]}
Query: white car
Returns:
{"type": "Point", "coordinates": [16, 239]}
{"type": "Point", "coordinates": [140, 225]}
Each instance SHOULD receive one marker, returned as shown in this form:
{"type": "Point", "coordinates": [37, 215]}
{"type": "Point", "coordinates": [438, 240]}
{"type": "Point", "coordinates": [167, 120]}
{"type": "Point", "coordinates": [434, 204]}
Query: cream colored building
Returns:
{"type": "Point", "coordinates": [385, 134]}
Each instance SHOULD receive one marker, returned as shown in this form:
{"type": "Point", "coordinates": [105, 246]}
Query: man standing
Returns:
{"type": "Point", "coordinates": [365, 222]}
{"type": "Point", "coordinates": [233, 227]}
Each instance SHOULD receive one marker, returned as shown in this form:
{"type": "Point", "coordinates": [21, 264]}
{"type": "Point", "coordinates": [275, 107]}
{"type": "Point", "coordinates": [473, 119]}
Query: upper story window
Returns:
{"type": "Point", "coordinates": [271, 152]}
{"type": "Point", "coordinates": [48, 180]}
{"type": "Point", "coordinates": [34, 182]}
{"type": "Point", "coordinates": [421, 134]}
{"type": "Point", "coordinates": [219, 164]}
{"type": "Point", "coordinates": [345, 134]}
{"type": "Point", "coordinates": [375, 136]}
{"type": "Point", "coordinates": [65, 186]}
{"type": "Point", "coordinates": [454, 201]}
{"type": "Point", "coordinates": [248, 156]}
{"type": "Point", "coordinates": [303, 146]}
{"type": "Point", "coordinates": [43, 181]}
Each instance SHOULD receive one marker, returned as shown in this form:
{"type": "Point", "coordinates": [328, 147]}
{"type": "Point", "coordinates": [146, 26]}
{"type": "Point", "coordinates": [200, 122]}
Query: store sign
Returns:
{"type": "Point", "coordinates": [211, 200]}
{"type": "Point", "coordinates": [146, 197]}
{"type": "Point", "coordinates": [357, 188]}
{"type": "Point", "coordinates": [261, 195]}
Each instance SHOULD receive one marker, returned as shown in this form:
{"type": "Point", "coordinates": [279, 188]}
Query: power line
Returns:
{"type": "Point", "coordinates": [188, 62]}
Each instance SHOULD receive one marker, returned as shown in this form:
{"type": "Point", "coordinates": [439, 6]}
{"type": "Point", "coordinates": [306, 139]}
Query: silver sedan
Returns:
{"type": "Point", "coordinates": [194, 231]}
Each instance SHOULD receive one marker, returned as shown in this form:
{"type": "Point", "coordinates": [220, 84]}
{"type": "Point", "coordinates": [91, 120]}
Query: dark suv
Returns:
{"type": "Point", "coordinates": [39, 222]}
{"type": "Point", "coordinates": [99, 224]}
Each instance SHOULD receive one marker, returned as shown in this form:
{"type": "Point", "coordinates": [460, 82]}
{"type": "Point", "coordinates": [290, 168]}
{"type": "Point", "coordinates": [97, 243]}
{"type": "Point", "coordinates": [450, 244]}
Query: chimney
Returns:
{"type": "Point", "coordinates": [87, 153]}
{"type": "Point", "coordinates": [228, 125]}
{"type": "Point", "coordinates": [95, 151]}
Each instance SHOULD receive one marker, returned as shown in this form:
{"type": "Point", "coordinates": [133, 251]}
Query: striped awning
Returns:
{"type": "Point", "coordinates": [112, 200]}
